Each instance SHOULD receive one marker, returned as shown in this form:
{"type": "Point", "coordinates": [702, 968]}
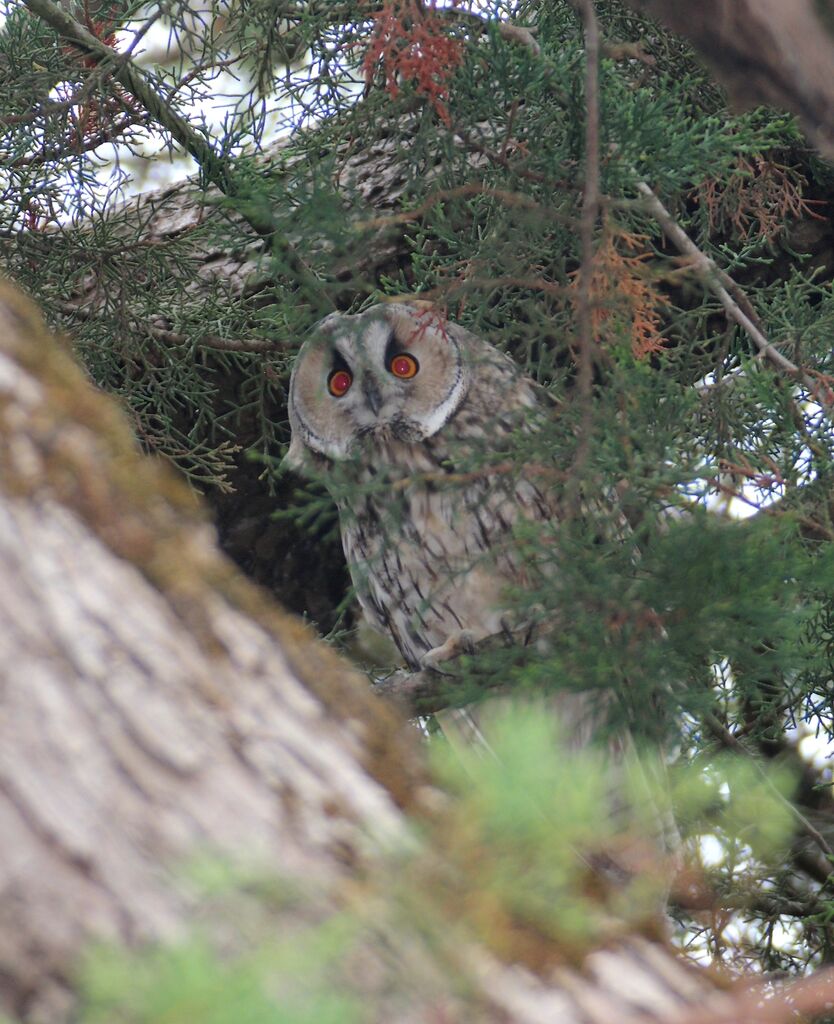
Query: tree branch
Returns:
{"type": "Point", "coordinates": [508, 31]}
{"type": "Point", "coordinates": [128, 75]}
{"type": "Point", "coordinates": [590, 199]}
{"type": "Point", "coordinates": [588, 221]}
{"type": "Point", "coordinates": [765, 53]}
{"type": "Point", "coordinates": [256, 346]}
{"type": "Point", "coordinates": [722, 285]}
{"type": "Point", "coordinates": [728, 740]}
{"type": "Point", "coordinates": [755, 1004]}
{"type": "Point", "coordinates": [255, 210]}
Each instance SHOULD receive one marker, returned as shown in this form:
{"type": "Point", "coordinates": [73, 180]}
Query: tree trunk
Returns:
{"type": "Point", "coordinates": [152, 701]}
{"type": "Point", "coordinates": [776, 53]}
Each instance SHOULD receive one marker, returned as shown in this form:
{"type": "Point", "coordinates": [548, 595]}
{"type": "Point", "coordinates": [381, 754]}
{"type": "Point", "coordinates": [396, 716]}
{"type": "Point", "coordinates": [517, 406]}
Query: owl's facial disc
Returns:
{"type": "Point", "coordinates": [391, 373]}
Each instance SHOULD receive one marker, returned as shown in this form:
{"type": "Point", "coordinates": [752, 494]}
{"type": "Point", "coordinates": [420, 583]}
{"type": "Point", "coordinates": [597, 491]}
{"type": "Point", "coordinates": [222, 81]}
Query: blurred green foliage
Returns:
{"type": "Point", "coordinates": [526, 855]}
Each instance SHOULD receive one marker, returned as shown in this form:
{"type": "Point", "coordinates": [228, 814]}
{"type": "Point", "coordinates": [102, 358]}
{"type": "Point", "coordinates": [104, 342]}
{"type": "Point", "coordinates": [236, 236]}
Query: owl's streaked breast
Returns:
{"type": "Point", "coordinates": [429, 555]}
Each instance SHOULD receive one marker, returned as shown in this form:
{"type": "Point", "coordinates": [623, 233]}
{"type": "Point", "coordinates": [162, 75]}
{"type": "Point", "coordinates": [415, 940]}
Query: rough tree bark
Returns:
{"type": "Point", "coordinates": [152, 701]}
{"type": "Point", "coordinates": [765, 52]}
{"type": "Point", "coordinates": [153, 704]}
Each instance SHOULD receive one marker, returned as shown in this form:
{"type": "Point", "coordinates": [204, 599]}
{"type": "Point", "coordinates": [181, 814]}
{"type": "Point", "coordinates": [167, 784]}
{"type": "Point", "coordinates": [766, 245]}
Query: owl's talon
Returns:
{"type": "Point", "coordinates": [458, 643]}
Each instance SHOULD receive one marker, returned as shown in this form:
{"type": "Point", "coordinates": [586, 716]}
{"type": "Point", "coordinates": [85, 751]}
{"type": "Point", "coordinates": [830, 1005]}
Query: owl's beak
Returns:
{"type": "Point", "coordinates": [372, 394]}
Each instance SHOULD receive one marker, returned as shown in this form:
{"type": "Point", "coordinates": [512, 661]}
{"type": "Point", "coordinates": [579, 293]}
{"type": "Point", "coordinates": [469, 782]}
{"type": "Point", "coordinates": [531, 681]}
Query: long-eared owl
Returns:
{"type": "Point", "coordinates": [405, 417]}
{"type": "Point", "coordinates": [414, 425]}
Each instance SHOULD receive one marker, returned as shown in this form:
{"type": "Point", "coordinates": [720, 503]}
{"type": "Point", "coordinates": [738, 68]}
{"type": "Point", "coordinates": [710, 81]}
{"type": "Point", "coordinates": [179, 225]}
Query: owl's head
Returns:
{"type": "Point", "coordinates": [396, 371]}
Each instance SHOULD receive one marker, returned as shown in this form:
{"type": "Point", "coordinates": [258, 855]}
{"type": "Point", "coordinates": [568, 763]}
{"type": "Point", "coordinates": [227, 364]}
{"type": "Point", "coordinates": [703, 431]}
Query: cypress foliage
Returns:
{"type": "Point", "coordinates": [430, 151]}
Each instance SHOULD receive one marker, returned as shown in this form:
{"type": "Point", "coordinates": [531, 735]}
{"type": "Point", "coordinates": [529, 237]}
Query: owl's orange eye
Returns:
{"type": "Point", "coordinates": [404, 366]}
{"type": "Point", "coordinates": [339, 382]}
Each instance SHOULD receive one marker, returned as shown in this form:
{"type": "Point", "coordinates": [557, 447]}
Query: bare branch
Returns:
{"type": "Point", "coordinates": [755, 1004]}
{"type": "Point", "coordinates": [214, 341]}
{"type": "Point", "coordinates": [519, 34]}
{"type": "Point", "coordinates": [590, 198]}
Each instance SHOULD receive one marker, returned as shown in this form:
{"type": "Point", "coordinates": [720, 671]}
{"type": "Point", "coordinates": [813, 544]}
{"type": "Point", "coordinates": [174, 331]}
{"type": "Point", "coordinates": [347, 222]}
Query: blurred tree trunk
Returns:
{"type": "Point", "coordinates": [152, 701]}
{"type": "Point", "coordinates": [776, 53]}
{"type": "Point", "coordinates": [154, 704]}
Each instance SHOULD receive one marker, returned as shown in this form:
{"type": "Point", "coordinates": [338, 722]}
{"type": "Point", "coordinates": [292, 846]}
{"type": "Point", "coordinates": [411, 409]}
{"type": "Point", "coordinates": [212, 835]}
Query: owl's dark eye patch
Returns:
{"type": "Point", "coordinates": [338, 362]}
{"type": "Point", "coordinates": [393, 348]}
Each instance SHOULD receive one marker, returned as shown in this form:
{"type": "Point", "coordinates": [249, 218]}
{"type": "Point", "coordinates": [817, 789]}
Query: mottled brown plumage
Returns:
{"type": "Point", "coordinates": [413, 459]}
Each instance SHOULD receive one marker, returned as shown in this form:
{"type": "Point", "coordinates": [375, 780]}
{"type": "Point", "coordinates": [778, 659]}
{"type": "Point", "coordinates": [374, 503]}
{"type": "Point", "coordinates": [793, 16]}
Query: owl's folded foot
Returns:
{"type": "Point", "coordinates": [461, 642]}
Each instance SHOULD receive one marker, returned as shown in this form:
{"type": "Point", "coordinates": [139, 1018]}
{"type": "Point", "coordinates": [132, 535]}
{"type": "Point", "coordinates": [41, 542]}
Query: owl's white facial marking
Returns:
{"type": "Point", "coordinates": [448, 403]}
{"type": "Point", "coordinates": [392, 373]}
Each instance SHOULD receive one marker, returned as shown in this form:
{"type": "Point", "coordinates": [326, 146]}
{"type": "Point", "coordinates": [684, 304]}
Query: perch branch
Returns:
{"type": "Point", "coordinates": [429, 690]}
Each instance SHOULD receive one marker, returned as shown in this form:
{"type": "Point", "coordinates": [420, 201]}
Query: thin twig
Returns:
{"type": "Point", "coordinates": [508, 131]}
{"type": "Point", "coordinates": [511, 165]}
{"type": "Point", "coordinates": [472, 188]}
{"type": "Point", "coordinates": [254, 346]}
{"type": "Point", "coordinates": [143, 30]}
{"type": "Point", "coordinates": [588, 221]}
{"type": "Point", "coordinates": [466, 284]}
{"type": "Point", "coordinates": [487, 472]}
{"type": "Point", "coordinates": [70, 147]}
{"type": "Point", "coordinates": [519, 34]}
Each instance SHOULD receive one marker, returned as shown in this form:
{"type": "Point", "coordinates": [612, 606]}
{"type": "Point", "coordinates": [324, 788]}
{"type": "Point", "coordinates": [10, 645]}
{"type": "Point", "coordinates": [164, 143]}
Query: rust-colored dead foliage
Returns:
{"type": "Point", "coordinates": [96, 119]}
{"type": "Point", "coordinates": [759, 198]}
{"type": "Point", "coordinates": [411, 42]}
{"type": "Point", "coordinates": [624, 298]}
